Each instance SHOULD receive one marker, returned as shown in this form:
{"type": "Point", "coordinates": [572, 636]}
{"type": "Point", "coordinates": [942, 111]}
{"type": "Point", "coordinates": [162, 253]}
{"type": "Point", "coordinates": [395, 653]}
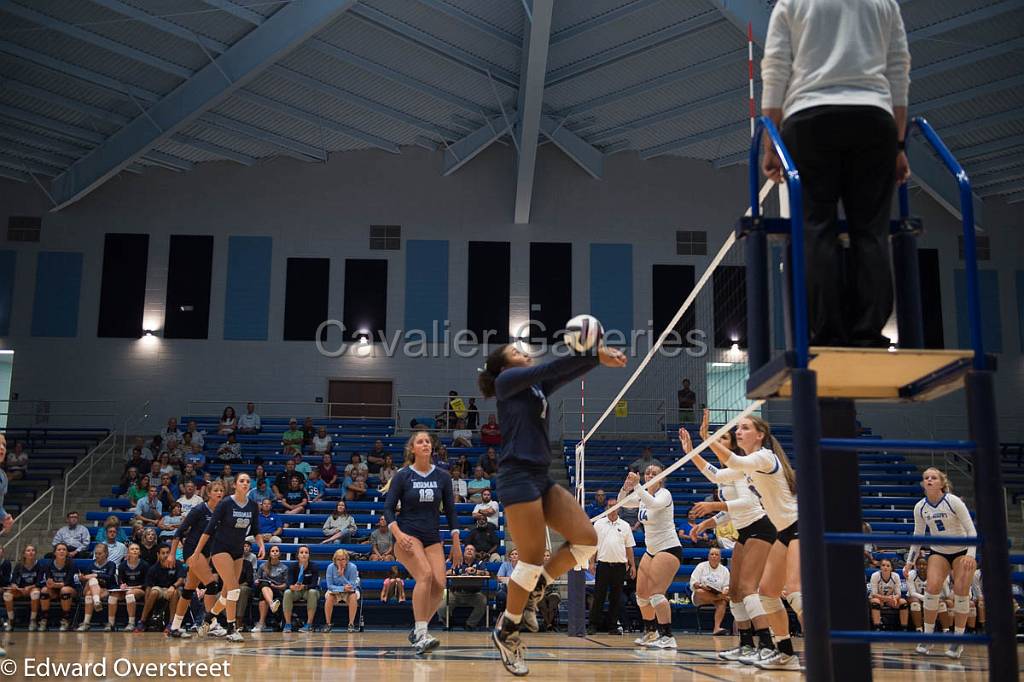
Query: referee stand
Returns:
{"type": "Point", "coordinates": [823, 385]}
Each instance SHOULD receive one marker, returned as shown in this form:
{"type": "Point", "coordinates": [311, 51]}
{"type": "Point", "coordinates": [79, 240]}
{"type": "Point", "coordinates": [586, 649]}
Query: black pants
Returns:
{"type": "Point", "coordinates": [846, 153]}
{"type": "Point", "coordinates": [608, 582]}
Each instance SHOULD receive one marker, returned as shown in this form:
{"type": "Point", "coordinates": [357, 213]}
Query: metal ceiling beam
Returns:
{"type": "Point", "coordinates": [961, 96]}
{"type": "Point", "coordinates": [967, 19]}
{"type": "Point", "coordinates": [462, 152]}
{"type": "Point", "coordinates": [985, 148]}
{"type": "Point", "coordinates": [431, 43]}
{"type": "Point", "coordinates": [633, 47]}
{"type": "Point", "coordinates": [968, 58]}
{"type": "Point", "coordinates": [600, 20]}
{"type": "Point", "coordinates": [66, 129]}
{"type": "Point", "coordinates": [302, 150]}
{"type": "Point", "coordinates": [1017, 174]}
{"type": "Point", "coordinates": [973, 124]}
{"type": "Point", "coordinates": [28, 151]}
{"type": "Point", "coordinates": [237, 11]}
{"type": "Point", "coordinates": [162, 25]}
{"type": "Point", "coordinates": [217, 149]}
{"type": "Point", "coordinates": [743, 13]}
{"type": "Point", "coordinates": [476, 22]}
{"type": "Point", "coordinates": [1008, 187]}
{"type": "Point", "coordinates": [276, 37]}
{"type": "Point", "coordinates": [66, 102]}
{"type": "Point", "coordinates": [14, 175]}
{"type": "Point", "coordinates": [998, 163]}
{"type": "Point", "coordinates": [586, 156]}
{"type": "Point", "coordinates": [28, 165]}
{"type": "Point", "coordinates": [28, 137]}
{"type": "Point", "coordinates": [1014, 198]}
{"type": "Point", "coordinates": [169, 160]}
{"type": "Point", "coordinates": [530, 100]}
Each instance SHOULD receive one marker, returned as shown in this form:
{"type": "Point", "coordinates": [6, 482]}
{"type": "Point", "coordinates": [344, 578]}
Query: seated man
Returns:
{"type": "Point", "coordinates": [230, 450]}
{"type": "Point", "coordinates": [270, 527]}
{"type": "Point", "coordinates": [76, 537]}
{"type": "Point", "coordinates": [292, 439]}
{"type": "Point", "coordinates": [461, 436]}
{"type": "Point", "coordinates": [484, 538]}
{"type": "Point", "coordinates": [315, 487]}
{"type": "Point", "coordinates": [598, 505]}
{"type": "Point", "coordinates": [250, 421]}
{"type": "Point", "coordinates": [149, 509]}
{"type": "Point", "coordinates": [283, 481]}
{"type": "Point", "coordinates": [467, 594]}
{"type": "Point", "coordinates": [487, 509]}
{"type": "Point", "coordinates": [478, 484]}
{"type": "Point", "coordinates": [162, 583]}
{"type": "Point", "coordinates": [355, 487]}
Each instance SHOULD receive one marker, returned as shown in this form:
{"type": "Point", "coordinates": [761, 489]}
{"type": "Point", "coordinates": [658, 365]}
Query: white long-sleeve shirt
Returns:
{"type": "Point", "coordinates": [657, 513]}
{"type": "Point", "coordinates": [764, 470]}
{"type": "Point", "coordinates": [950, 518]}
{"type": "Point", "coordinates": [835, 52]}
{"type": "Point", "coordinates": [880, 587]}
{"type": "Point", "coordinates": [703, 574]}
{"type": "Point", "coordinates": [743, 507]}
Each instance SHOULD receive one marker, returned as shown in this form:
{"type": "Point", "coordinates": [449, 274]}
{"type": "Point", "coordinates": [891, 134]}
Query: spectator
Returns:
{"type": "Point", "coordinates": [490, 433]}
{"type": "Point", "coordinates": [465, 594]}
{"type": "Point", "coordinates": [271, 581]}
{"type": "Point", "coordinates": [503, 576]}
{"type": "Point", "coordinates": [342, 587]}
{"type": "Point", "coordinates": [301, 466]}
{"type": "Point", "coordinates": [489, 462]}
{"type": "Point", "coordinates": [96, 581]}
{"type": "Point", "coordinates": [260, 492]}
{"type": "Point", "coordinates": [153, 450]}
{"type": "Point", "coordinates": [171, 430]}
{"type": "Point", "coordinates": [687, 398]}
{"type": "Point", "coordinates": [173, 456]}
{"type": "Point", "coordinates": [168, 492]}
{"type": "Point", "coordinates": [291, 440]}
{"type": "Point", "coordinates": [356, 465]}
{"type": "Point", "coordinates": [283, 481]}
{"type": "Point", "coordinates": [487, 509]}
{"type": "Point", "coordinates": [189, 499]}
{"type": "Point", "coordinates": [441, 457]}
{"type": "Point", "coordinates": [645, 460]}
{"type": "Point", "coordinates": [138, 489]}
{"type": "Point", "coordinates": [154, 471]}
{"type": "Point", "coordinates": [303, 579]}
{"type": "Point", "coordinates": [59, 586]}
{"type": "Point", "coordinates": [836, 80]}
{"type": "Point", "coordinates": [461, 436]}
{"type": "Point", "coordinates": [295, 499]}
{"type": "Point", "coordinates": [73, 536]}
{"type": "Point", "coordinates": [308, 432]}
{"type": "Point", "coordinates": [131, 577]}
{"type": "Point", "coordinates": [382, 542]}
{"type": "Point", "coordinates": [116, 550]}
{"type": "Point", "coordinates": [169, 524]}
{"type": "Point", "coordinates": [387, 470]}
{"type": "Point", "coordinates": [227, 477]}
{"type": "Point", "coordinates": [393, 585]}
{"type": "Point", "coordinates": [189, 475]}
{"type": "Point", "coordinates": [328, 472]}
{"type": "Point", "coordinates": [709, 584]}
{"type": "Point", "coordinates": [250, 421]}
{"type": "Point", "coordinates": [886, 590]}
{"type": "Point", "coordinates": [547, 608]}
{"type": "Point", "coordinates": [322, 443]}
{"type": "Point", "coordinates": [459, 487]}
{"type": "Point", "coordinates": [268, 525]}
{"type": "Point", "coordinates": [130, 479]}
{"type": "Point", "coordinates": [463, 463]}
{"type": "Point", "coordinates": [228, 421]}
{"type": "Point", "coordinates": [339, 526]}
{"type": "Point", "coordinates": [137, 530]}
{"type": "Point", "coordinates": [450, 412]}
{"type": "Point", "coordinates": [484, 538]}
{"type": "Point", "coordinates": [230, 450]}
{"type": "Point", "coordinates": [375, 458]}
{"type": "Point", "coordinates": [472, 415]}
{"type": "Point", "coordinates": [198, 437]}
{"type": "Point", "coordinates": [478, 485]}
{"type": "Point", "coordinates": [25, 578]}
{"type": "Point", "coordinates": [611, 565]}
{"type": "Point", "coordinates": [869, 549]}
{"type": "Point", "coordinates": [165, 576]}
{"type": "Point", "coordinates": [195, 457]}
{"type": "Point", "coordinates": [598, 504]}
{"type": "Point", "coordinates": [315, 488]}
{"type": "Point", "coordinates": [355, 488]}
{"type": "Point", "coordinates": [149, 547]}
{"type": "Point", "coordinates": [130, 455]}
{"type": "Point", "coordinates": [149, 509]}
{"type": "Point", "coordinates": [16, 464]}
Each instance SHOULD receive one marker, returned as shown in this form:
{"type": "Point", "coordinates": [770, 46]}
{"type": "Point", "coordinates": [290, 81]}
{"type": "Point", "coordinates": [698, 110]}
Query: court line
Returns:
{"type": "Point", "coordinates": [608, 646]}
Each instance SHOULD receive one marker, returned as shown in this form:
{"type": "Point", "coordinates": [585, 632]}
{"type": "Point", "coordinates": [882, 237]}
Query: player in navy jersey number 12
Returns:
{"type": "Point", "coordinates": [199, 573]}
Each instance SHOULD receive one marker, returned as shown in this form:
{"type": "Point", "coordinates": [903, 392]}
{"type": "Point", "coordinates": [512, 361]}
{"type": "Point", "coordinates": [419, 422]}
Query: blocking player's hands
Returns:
{"type": "Point", "coordinates": [631, 480]}
{"type": "Point", "coordinates": [611, 357]}
{"type": "Point", "coordinates": [705, 430]}
{"type": "Point", "coordinates": [685, 442]}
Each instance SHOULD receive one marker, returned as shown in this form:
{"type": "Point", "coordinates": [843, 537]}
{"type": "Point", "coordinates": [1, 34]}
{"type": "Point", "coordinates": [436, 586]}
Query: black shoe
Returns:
{"type": "Point", "coordinates": [511, 649]}
{"type": "Point", "coordinates": [591, 631]}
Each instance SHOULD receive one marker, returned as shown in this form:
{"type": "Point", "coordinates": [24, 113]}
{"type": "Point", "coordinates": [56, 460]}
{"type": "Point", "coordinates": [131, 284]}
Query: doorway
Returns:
{"type": "Point", "coordinates": [353, 398]}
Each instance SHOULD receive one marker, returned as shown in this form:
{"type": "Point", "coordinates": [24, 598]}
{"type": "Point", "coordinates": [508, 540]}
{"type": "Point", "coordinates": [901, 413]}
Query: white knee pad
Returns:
{"type": "Point", "coordinates": [915, 606]}
{"type": "Point", "coordinates": [771, 604]}
{"type": "Point", "coordinates": [942, 607]}
{"type": "Point", "coordinates": [234, 595]}
{"type": "Point", "coordinates": [526, 575]}
{"type": "Point", "coordinates": [973, 613]}
{"type": "Point", "coordinates": [34, 595]}
{"type": "Point", "coordinates": [582, 554]}
{"type": "Point", "coordinates": [796, 602]}
{"type": "Point", "coordinates": [932, 603]}
{"type": "Point", "coordinates": [739, 611]}
{"type": "Point", "coordinates": [111, 598]}
{"type": "Point", "coordinates": [752, 602]}
{"type": "Point", "coordinates": [129, 598]}
{"type": "Point", "coordinates": [658, 599]}
{"type": "Point", "coordinates": [222, 600]}
{"type": "Point", "coordinates": [961, 605]}
{"type": "Point", "coordinates": [642, 601]}
{"type": "Point", "coordinates": [93, 582]}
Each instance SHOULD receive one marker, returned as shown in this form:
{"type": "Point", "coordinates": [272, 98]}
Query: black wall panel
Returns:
{"type": "Point", "coordinates": [189, 272]}
{"type": "Point", "coordinates": [931, 297]}
{"type": "Point", "coordinates": [670, 285]}
{"type": "Point", "coordinates": [487, 281]}
{"type": "Point", "coordinates": [550, 289]}
{"type": "Point", "coordinates": [307, 291]}
{"type": "Point", "coordinates": [123, 285]}
{"type": "Point", "coordinates": [729, 284]}
{"type": "Point", "coordinates": [366, 298]}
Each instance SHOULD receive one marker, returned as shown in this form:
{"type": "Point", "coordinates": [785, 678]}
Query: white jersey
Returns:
{"type": "Point", "coordinates": [880, 587]}
{"type": "Point", "coordinates": [765, 473]}
{"type": "Point", "coordinates": [717, 578]}
{"type": "Point", "coordinates": [948, 518]}
{"type": "Point", "coordinates": [744, 508]}
{"type": "Point", "coordinates": [657, 513]}
{"type": "Point", "coordinates": [916, 585]}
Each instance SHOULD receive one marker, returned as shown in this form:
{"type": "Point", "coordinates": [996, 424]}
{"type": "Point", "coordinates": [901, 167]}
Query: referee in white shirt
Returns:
{"type": "Point", "coordinates": [615, 560]}
{"type": "Point", "coordinates": [836, 75]}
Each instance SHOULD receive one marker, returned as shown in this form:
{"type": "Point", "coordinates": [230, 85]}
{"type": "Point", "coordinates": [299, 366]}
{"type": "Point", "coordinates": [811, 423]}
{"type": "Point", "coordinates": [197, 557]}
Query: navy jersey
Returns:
{"type": "Point", "coordinates": [192, 528]}
{"type": "Point", "coordinates": [5, 573]}
{"type": "Point", "coordinates": [23, 576]}
{"type": "Point", "coordinates": [132, 576]}
{"type": "Point", "coordinates": [231, 523]}
{"type": "Point", "coordinates": [421, 496]}
{"type": "Point", "coordinates": [106, 575]}
{"type": "Point", "coordinates": [522, 394]}
{"type": "Point", "coordinates": [164, 576]}
{"type": "Point", "coordinates": [60, 574]}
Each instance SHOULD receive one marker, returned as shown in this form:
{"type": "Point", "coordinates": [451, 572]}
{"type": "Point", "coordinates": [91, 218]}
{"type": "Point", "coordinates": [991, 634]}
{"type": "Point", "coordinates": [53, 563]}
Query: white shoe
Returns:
{"type": "Point", "coordinates": [736, 653]}
{"type": "Point", "coordinates": [31, 626]}
{"type": "Point", "coordinates": [203, 629]}
{"type": "Point", "coordinates": [275, 605]}
{"type": "Point", "coordinates": [257, 628]}
{"type": "Point", "coordinates": [954, 650]}
{"type": "Point", "coordinates": [426, 644]}
{"type": "Point", "coordinates": [663, 642]}
{"type": "Point", "coordinates": [757, 656]}
{"type": "Point", "coordinates": [8, 627]}
{"type": "Point", "coordinates": [84, 627]}
{"type": "Point", "coordinates": [530, 620]}
{"type": "Point", "coordinates": [235, 637]}
{"type": "Point", "coordinates": [511, 649]}
{"type": "Point", "coordinates": [780, 661]}
{"type": "Point", "coordinates": [924, 649]}
{"type": "Point", "coordinates": [647, 638]}
{"type": "Point", "coordinates": [217, 630]}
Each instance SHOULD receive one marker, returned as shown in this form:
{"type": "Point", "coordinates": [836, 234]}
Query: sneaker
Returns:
{"type": "Point", "coordinates": [736, 653]}
{"type": "Point", "coordinates": [954, 650]}
{"type": "Point", "coordinates": [530, 620]}
{"type": "Point", "coordinates": [275, 605]}
{"type": "Point", "coordinates": [780, 661]}
{"type": "Point", "coordinates": [179, 634]}
{"type": "Point", "coordinates": [757, 655]}
{"type": "Point", "coordinates": [84, 627]}
{"type": "Point", "coordinates": [511, 649]}
{"type": "Point", "coordinates": [330, 628]}
{"type": "Point", "coordinates": [204, 629]}
{"type": "Point", "coordinates": [217, 630]}
{"type": "Point", "coordinates": [720, 632]}
{"type": "Point", "coordinates": [287, 628]}
{"type": "Point", "coordinates": [235, 637]}
{"type": "Point", "coordinates": [128, 628]}
{"type": "Point", "coordinates": [305, 628]}
{"type": "Point", "coordinates": [42, 625]}
{"type": "Point", "coordinates": [140, 627]}
{"type": "Point", "coordinates": [7, 626]}
{"type": "Point", "coordinates": [108, 627]}
{"type": "Point", "coordinates": [924, 649]}
{"type": "Point", "coordinates": [412, 637]}
{"type": "Point", "coordinates": [31, 626]}
{"type": "Point", "coordinates": [663, 642]}
{"type": "Point", "coordinates": [646, 638]}
{"type": "Point", "coordinates": [426, 644]}
{"type": "Point", "coordinates": [259, 627]}
{"type": "Point", "coordinates": [64, 625]}
{"type": "Point", "coordinates": [352, 627]}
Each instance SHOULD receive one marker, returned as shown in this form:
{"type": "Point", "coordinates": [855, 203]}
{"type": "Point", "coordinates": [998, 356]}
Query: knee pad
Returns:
{"type": "Point", "coordinates": [34, 595]}
{"type": "Point", "coordinates": [961, 605]}
{"type": "Point", "coordinates": [214, 588]}
{"type": "Point", "coordinates": [942, 607]}
{"type": "Point", "coordinates": [771, 604]}
{"type": "Point", "coordinates": [642, 601]}
{"type": "Point", "coordinates": [111, 598]}
{"type": "Point", "coordinates": [916, 607]}
{"type": "Point", "coordinates": [932, 603]}
{"type": "Point", "coordinates": [129, 598]}
{"type": "Point", "coordinates": [904, 606]}
{"type": "Point", "coordinates": [187, 594]}
{"type": "Point", "coordinates": [93, 582]}
{"type": "Point", "coordinates": [582, 554]}
{"type": "Point", "coordinates": [752, 602]}
{"type": "Point", "coordinates": [739, 611]}
{"type": "Point", "coordinates": [658, 599]}
{"type": "Point", "coordinates": [973, 613]}
{"type": "Point", "coordinates": [876, 606]}
{"type": "Point", "coordinates": [526, 575]}
{"type": "Point", "coordinates": [796, 602]}
{"type": "Point", "coordinates": [234, 595]}
{"type": "Point", "coordinates": [64, 596]}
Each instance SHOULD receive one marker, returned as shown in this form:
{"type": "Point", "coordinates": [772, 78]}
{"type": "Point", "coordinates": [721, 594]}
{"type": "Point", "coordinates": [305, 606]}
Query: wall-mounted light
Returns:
{"type": "Point", "coordinates": [721, 364]}
{"type": "Point", "coordinates": [148, 332]}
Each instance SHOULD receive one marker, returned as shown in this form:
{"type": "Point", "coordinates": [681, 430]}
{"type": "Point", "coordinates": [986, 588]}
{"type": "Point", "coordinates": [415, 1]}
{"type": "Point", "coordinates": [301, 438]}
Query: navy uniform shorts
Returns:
{"type": "Point", "coordinates": [520, 482]}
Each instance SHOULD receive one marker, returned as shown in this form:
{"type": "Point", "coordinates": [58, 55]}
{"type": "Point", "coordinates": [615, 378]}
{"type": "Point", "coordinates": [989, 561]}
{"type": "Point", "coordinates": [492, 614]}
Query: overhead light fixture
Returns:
{"type": "Point", "coordinates": [721, 364]}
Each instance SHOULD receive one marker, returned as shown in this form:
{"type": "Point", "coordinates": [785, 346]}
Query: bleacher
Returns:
{"type": "Point", "coordinates": [51, 453]}
{"type": "Point", "coordinates": [1011, 459]}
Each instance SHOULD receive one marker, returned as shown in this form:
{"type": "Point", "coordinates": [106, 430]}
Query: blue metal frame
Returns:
{"type": "Point", "coordinates": [899, 540]}
{"type": "Point", "coordinates": [870, 445]}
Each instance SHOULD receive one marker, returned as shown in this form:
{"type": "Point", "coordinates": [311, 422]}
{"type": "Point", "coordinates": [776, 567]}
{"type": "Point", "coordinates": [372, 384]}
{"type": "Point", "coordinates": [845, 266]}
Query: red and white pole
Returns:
{"type": "Point", "coordinates": [750, 74]}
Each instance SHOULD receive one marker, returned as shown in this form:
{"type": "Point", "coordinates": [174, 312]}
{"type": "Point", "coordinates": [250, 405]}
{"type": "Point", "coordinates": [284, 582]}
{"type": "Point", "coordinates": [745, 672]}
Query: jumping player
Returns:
{"type": "Point", "coordinates": [531, 498]}
{"type": "Point", "coordinates": [944, 514]}
{"type": "Point", "coordinates": [234, 519]}
{"type": "Point", "coordinates": [422, 489]}
{"type": "Point", "coordinates": [199, 573]}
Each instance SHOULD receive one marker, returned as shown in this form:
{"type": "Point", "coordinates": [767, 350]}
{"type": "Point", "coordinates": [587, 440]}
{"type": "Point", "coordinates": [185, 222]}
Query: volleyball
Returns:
{"type": "Point", "coordinates": [582, 332]}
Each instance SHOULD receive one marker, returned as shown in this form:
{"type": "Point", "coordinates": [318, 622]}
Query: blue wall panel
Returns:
{"type": "Point", "coordinates": [7, 261]}
{"type": "Point", "coordinates": [611, 288]}
{"type": "Point", "coordinates": [247, 297]}
{"type": "Point", "coordinates": [991, 322]}
{"type": "Point", "coordinates": [58, 284]}
{"type": "Point", "coordinates": [426, 287]}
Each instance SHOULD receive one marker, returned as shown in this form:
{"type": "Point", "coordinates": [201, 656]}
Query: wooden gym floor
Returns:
{"type": "Point", "coordinates": [383, 656]}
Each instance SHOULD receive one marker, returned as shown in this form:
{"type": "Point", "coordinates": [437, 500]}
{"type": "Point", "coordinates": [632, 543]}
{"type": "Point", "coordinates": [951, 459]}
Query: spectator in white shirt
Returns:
{"type": "Point", "coordinates": [228, 421]}
{"type": "Point", "coordinates": [356, 466]}
{"type": "Point", "coordinates": [486, 508]}
{"type": "Point", "coordinates": [171, 431]}
{"type": "Point", "coordinates": [612, 563]}
{"type": "Point", "coordinates": [76, 537]}
{"type": "Point", "coordinates": [322, 443]}
{"type": "Point", "coordinates": [250, 421]}
{"type": "Point", "coordinates": [709, 584]}
{"type": "Point", "coordinates": [461, 436]}
{"type": "Point", "coordinates": [459, 486]}
{"type": "Point", "coordinates": [189, 498]}
{"type": "Point", "coordinates": [197, 435]}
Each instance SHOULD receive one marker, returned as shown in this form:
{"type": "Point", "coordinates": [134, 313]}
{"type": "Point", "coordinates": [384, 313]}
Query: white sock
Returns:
{"type": "Point", "coordinates": [96, 601]}
{"type": "Point", "coordinates": [176, 623]}
{"type": "Point", "coordinates": [131, 620]}
{"type": "Point", "coordinates": [87, 618]}
{"type": "Point", "coordinates": [421, 628]}
{"type": "Point", "coordinates": [513, 618]}
{"type": "Point", "coordinates": [960, 631]}
{"type": "Point", "coordinates": [929, 627]}
{"type": "Point", "coordinates": [32, 618]}
{"type": "Point", "coordinates": [110, 619]}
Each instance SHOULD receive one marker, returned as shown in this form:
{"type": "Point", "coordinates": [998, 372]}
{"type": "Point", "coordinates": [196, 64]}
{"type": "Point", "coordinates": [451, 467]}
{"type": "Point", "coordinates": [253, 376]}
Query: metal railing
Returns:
{"type": "Point", "coordinates": [298, 409]}
{"type": "Point", "coordinates": [24, 522]}
{"type": "Point", "coordinates": [34, 413]}
{"type": "Point", "coordinates": [106, 448]}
